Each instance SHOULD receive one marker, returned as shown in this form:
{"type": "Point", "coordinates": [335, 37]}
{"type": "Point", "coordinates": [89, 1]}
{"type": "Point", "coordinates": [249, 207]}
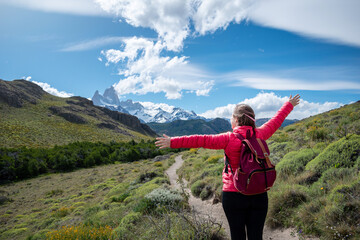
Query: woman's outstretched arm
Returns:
{"type": "Point", "coordinates": [217, 141]}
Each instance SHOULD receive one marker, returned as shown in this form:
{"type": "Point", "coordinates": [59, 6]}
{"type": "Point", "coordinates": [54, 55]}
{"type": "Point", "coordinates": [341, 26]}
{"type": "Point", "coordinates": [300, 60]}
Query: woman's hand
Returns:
{"type": "Point", "coordinates": [163, 142]}
{"type": "Point", "coordinates": [294, 100]}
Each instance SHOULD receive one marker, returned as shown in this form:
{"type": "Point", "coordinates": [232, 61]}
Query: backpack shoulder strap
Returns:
{"type": "Point", "coordinates": [268, 162]}
{"type": "Point", "coordinates": [227, 164]}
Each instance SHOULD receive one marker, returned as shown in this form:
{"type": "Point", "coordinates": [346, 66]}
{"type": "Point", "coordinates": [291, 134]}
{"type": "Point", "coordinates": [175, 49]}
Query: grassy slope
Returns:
{"type": "Point", "coordinates": [318, 185]}
{"type": "Point", "coordinates": [47, 202]}
{"type": "Point", "coordinates": [36, 126]}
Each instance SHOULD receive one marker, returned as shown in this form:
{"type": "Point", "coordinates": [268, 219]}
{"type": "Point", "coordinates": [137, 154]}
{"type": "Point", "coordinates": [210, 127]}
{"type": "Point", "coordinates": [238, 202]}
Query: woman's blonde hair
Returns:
{"type": "Point", "coordinates": [240, 112]}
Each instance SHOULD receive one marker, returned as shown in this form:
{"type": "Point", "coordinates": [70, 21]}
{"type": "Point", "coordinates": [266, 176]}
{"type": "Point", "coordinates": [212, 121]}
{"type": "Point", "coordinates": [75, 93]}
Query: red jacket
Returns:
{"type": "Point", "coordinates": [230, 143]}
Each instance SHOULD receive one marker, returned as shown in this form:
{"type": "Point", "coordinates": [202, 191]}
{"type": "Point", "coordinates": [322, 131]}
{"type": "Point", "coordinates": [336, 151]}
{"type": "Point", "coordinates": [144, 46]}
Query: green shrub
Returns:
{"type": "Point", "coordinates": [206, 193]}
{"type": "Point", "coordinates": [318, 133]}
{"type": "Point", "coordinates": [290, 128]}
{"type": "Point", "coordinates": [145, 206]}
{"type": "Point", "coordinates": [12, 233]}
{"type": "Point", "coordinates": [215, 159]}
{"type": "Point", "coordinates": [342, 153]}
{"type": "Point", "coordinates": [197, 187]}
{"type": "Point", "coordinates": [280, 136]}
{"type": "Point", "coordinates": [165, 197]}
{"type": "Point", "coordinates": [147, 176]}
{"type": "Point", "coordinates": [334, 175]}
{"type": "Point", "coordinates": [320, 146]}
{"type": "Point", "coordinates": [63, 211]}
{"type": "Point", "coordinates": [294, 162]}
{"type": "Point", "coordinates": [357, 164]}
{"type": "Point", "coordinates": [345, 193]}
{"type": "Point", "coordinates": [120, 198]}
{"type": "Point", "coordinates": [193, 150]}
{"type": "Point", "coordinates": [130, 219]}
{"type": "Point", "coordinates": [54, 192]}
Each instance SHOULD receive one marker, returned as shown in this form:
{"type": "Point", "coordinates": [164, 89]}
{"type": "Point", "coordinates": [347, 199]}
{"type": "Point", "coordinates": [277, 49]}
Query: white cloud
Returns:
{"type": "Point", "coordinates": [144, 63]}
{"type": "Point", "coordinates": [147, 67]}
{"type": "Point", "coordinates": [75, 7]}
{"type": "Point", "coordinates": [266, 105]}
{"type": "Point", "coordinates": [210, 15]}
{"type": "Point", "coordinates": [91, 44]}
{"type": "Point", "coordinates": [306, 78]}
{"type": "Point", "coordinates": [145, 70]}
{"type": "Point", "coordinates": [330, 20]}
{"type": "Point", "coordinates": [269, 83]}
{"type": "Point", "coordinates": [53, 91]}
{"type": "Point", "coordinates": [28, 78]}
{"type": "Point", "coordinates": [169, 18]}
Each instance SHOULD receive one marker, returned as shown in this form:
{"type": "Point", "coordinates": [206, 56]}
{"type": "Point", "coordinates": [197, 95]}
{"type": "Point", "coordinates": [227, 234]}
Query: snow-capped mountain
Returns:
{"type": "Point", "coordinates": [145, 111]}
{"type": "Point", "coordinates": [109, 100]}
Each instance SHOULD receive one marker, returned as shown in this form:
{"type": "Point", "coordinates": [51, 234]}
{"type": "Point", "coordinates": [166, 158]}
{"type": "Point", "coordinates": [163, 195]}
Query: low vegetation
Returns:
{"type": "Point", "coordinates": [114, 201]}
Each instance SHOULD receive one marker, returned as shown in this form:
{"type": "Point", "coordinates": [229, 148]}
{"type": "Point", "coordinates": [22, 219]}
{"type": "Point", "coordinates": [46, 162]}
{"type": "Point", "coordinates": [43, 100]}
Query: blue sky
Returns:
{"type": "Point", "coordinates": [186, 54]}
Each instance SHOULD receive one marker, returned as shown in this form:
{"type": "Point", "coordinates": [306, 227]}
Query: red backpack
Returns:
{"type": "Point", "coordinates": [255, 173]}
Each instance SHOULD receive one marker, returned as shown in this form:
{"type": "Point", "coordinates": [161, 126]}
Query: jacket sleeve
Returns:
{"type": "Point", "coordinates": [218, 141]}
{"type": "Point", "coordinates": [270, 127]}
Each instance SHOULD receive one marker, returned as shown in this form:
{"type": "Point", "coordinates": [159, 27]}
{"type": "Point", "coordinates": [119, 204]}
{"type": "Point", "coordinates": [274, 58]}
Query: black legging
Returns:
{"type": "Point", "coordinates": [245, 211]}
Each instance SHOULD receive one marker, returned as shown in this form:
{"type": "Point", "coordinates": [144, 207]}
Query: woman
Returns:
{"type": "Point", "coordinates": [242, 211]}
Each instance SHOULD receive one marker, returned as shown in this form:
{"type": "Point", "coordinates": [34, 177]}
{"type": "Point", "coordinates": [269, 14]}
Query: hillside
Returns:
{"type": "Point", "coordinates": [33, 118]}
{"type": "Point", "coordinates": [193, 126]}
{"type": "Point", "coordinates": [261, 121]}
{"type": "Point", "coordinates": [317, 190]}
{"type": "Point", "coordinates": [317, 131]}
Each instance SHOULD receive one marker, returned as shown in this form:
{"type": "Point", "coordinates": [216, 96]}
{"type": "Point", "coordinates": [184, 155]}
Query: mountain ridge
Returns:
{"type": "Point", "coordinates": [192, 126]}
{"type": "Point", "coordinates": [33, 117]}
{"type": "Point", "coordinates": [145, 111]}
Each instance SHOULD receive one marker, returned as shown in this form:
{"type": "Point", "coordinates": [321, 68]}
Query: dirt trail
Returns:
{"type": "Point", "coordinates": [215, 211]}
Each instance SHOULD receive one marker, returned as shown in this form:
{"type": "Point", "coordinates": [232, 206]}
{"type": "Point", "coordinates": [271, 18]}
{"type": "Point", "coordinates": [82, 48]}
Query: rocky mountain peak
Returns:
{"type": "Point", "coordinates": [145, 111]}
{"type": "Point", "coordinates": [111, 95]}
{"type": "Point", "coordinates": [17, 92]}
